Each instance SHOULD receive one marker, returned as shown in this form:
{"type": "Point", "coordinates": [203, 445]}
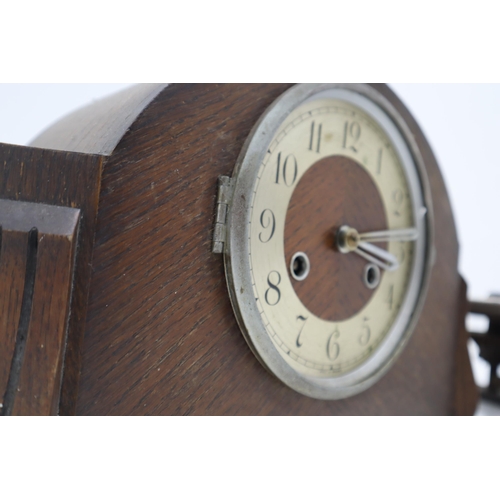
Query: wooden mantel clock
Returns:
{"type": "Point", "coordinates": [231, 250]}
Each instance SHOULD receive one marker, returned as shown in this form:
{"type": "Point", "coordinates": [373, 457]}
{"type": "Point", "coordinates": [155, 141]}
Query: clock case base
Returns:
{"type": "Point", "coordinates": [150, 328]}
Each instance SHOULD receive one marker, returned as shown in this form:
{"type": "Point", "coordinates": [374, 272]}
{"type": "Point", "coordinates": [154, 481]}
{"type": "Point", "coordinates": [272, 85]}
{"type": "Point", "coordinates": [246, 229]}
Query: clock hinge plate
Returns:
{"type": "Point", "coordinates": [224, 195]}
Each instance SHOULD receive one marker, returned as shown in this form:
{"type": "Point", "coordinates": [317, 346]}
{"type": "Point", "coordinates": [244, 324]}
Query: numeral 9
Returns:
{"type": "Point", "coordinates": [267, 220]}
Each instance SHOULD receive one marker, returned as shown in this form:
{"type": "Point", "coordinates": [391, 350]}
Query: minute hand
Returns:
{"type": "Point", "coordinates": [407, 234]}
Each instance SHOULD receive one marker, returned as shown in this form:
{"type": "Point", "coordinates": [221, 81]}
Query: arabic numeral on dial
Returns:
{"type": "Point", "coordinates": [352, 132]}
{"type": "Point", "coordinates": [287, 174]}
{"type": "Point", "coordinates": [273, 294]}
{"type": "Point", "coordinates": [379, 161]}
{"type": "Point", "coordinates": [303, 319]}
{"type": "Point", "coordinates": [398, 198]}
{"type": "Point", "coordinates": [390, 297]}
{"type": "Point", "coordinates": [314, 145]}
{"type": "Point", "coordinates": [267, 221]}
{"type": "Point", "coordinates": [364, 338]}
{"type": "Point", "coordinates": [333, 347]}
{"type": "Point", "coordinates": [402, 254]}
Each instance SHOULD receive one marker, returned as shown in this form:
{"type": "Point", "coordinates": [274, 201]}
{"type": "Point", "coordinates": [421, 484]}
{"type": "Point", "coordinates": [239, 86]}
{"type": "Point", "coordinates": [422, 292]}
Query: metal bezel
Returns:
{"type": "Point", "coordinates": [236, 255]}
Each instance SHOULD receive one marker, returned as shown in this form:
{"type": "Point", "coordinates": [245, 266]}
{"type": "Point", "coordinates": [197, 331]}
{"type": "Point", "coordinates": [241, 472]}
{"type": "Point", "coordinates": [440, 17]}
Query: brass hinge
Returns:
{"type": "Point", "coordinates": [224, 195]}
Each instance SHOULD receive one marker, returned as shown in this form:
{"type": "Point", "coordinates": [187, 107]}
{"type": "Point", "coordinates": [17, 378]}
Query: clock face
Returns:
{"type": "Point", "coordinates": [328, 239]}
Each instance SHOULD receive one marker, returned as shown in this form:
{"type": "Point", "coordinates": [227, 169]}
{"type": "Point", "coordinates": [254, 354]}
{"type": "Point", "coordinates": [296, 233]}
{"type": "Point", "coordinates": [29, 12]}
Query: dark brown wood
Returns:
{"type": "Point", "coordinates": [466, 391]}
{"type": "Point", "coordinates": [335, 191]}
{"type": "Point", "coordinates": [12, 276]}
{"type": "Point", "coordinates": [46, 236]}
{"type": "Point", "coordinates": [63, 179]}
{"type": "Point", "coordinates": [161, 337]}
{"type": "Point", "coordinates": [97, 128]}
{"type": "Point", "coordinates": [160, 334]}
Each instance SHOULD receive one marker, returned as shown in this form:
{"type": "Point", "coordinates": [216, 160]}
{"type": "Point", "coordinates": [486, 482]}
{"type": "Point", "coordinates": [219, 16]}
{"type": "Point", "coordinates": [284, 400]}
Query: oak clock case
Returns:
{"type": "Point", "coordinates": [130, 311]}
{"type": "Point", "coordinates": [333, 170]}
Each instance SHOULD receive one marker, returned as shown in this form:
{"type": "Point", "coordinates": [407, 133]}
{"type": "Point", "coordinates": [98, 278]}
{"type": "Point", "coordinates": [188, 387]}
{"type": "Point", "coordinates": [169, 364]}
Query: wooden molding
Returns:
{"type": "Point", "coordinates": [48, 189]}
{"type": "Point", "coordinates": [36, 276]}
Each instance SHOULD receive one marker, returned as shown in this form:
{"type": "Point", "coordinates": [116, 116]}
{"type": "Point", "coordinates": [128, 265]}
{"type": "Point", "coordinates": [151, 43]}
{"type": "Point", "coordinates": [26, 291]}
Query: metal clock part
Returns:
{"type": "Point", "coordinates": [234, 235]}
{"type": "Point", "coordinates": [299, 266]}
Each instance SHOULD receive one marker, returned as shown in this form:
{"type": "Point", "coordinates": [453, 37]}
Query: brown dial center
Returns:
{"type": "Point", "coordinates": [333, 192]}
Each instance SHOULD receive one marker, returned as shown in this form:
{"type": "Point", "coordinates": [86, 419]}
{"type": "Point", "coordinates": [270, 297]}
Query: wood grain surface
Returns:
{"type": "Point", "coordinates": [335, 191]}
{"type": "Point", "coordinates": [13, 255]}
{"type": "Point", "coordinates": [160, 335]}
{"type": "Point", "coordinates": [98, 127]}
{"type": "Point", "coordinates": [466, 391]}
{"type": "Point", "coordinates": [40, 331]}
{"type": "Point", "coordinates": [59, 179]}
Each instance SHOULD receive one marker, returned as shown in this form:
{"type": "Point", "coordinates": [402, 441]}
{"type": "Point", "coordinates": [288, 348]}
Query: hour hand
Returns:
{"type": "Point", "coordinates": [376, 255]}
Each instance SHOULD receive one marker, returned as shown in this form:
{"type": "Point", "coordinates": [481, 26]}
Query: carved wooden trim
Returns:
{"type": "Point", "coordinates": [64, 181]}
{"type": "Point", "coordinates": [37, 264]}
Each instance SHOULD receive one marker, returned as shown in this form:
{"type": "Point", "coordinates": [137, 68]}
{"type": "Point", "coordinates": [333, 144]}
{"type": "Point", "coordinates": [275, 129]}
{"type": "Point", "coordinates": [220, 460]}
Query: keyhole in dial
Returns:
{"type": "Point", "coordinates": [299, 266]}
{"type": "Point", "coordinates": [371, 276]}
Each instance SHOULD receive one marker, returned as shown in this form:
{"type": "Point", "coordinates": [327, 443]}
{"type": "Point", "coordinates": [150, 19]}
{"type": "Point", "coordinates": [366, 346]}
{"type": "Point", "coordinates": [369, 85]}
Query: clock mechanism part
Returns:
{"type": "Point", "coordinates": [325, 284]}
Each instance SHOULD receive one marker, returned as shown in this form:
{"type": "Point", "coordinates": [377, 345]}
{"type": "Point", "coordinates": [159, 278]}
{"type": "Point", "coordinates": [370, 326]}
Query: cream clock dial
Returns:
{"type": "Point", "coordinates": [328, 238]}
